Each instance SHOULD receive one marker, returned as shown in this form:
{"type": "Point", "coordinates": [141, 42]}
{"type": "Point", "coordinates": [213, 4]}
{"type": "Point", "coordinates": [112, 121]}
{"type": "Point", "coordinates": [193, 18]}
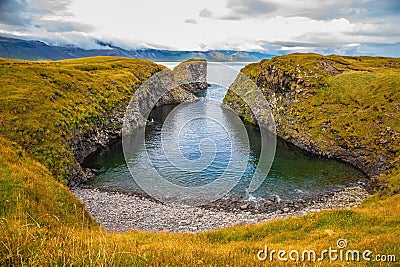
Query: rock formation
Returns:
{"type": "Point", "coordinates": [189, 76]}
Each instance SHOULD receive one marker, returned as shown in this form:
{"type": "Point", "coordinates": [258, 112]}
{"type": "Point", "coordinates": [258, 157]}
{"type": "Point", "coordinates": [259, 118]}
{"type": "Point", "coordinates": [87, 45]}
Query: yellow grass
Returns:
{"type": "Point", "coordinates": [43, 224]}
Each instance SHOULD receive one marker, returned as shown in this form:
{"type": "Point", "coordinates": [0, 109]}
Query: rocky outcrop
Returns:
{"type": "Point", "coordinates": [286, 87]}
{"type": "Point", "coordinates": [86, 142]}
{"type": "Point", "coordinates": [190, 76]}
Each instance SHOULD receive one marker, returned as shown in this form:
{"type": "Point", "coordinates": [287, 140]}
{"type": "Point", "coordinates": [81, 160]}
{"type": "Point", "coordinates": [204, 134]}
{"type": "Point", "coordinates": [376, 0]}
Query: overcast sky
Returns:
{"type": "Point", "coordinates": [274, 26]}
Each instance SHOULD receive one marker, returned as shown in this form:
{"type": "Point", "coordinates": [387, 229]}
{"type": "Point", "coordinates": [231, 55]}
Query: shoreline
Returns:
{"type": "Point", "coordinates": [120, 212]}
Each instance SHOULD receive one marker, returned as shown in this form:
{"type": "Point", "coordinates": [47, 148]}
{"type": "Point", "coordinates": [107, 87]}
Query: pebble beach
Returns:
{"type": "Point", "coordinates": [120, 212]}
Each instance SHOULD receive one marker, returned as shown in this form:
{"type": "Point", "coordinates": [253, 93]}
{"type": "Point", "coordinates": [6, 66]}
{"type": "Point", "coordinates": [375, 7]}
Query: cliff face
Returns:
{"type": "Point", "coordinates": [189, 76]}
{"type": "Point", "coordinates": [61, 111]}
{"type": "Point", "coordinates": [339, 107]}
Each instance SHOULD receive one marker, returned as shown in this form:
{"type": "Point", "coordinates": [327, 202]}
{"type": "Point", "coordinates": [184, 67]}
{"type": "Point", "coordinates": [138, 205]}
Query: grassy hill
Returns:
{"type": "Point", "coordinates": [46, 104]}
{"type": "Point", "coordinates": [43, 224]}
{"type": "Point", "coordinates": [342, 107]}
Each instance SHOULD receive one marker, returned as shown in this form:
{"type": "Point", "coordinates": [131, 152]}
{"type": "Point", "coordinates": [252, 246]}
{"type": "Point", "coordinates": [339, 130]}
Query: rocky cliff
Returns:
{"type": "Point", "coordinates": [345, 108]}
{"type": "Point", "coordinates": [189, 76]}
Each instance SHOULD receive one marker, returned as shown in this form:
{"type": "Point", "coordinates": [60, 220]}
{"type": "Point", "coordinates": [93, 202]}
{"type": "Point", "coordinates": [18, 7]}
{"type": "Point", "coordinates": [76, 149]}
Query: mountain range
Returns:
{"type": "Point", "coordinates": [36, 50]}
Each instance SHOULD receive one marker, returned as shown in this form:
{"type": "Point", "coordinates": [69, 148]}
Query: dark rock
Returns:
{"type": "Point", "coordinates": [395, 192]}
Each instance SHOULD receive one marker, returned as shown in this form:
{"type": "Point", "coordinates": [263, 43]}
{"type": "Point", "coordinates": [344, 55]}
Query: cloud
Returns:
{"type": "Point", "coordinates": [314, 9]}
{"type": "Point", "coordinates": [48, 14]}
{"type": "Point", "coordinates": [202, 46]}
{"type": "Point", "coordinates": [24, 13]}
{"type": "Point", "coordinates": [357, 10]}
{"type": "Point", "coordinates": [247, 9]}
{"type": "Point", "coordinates": [14, 12]}
{"type": "Point", "coordinates": [241, 9]}
{"type": "Point", "coordinates": [274, 26]}
{"type": "Point", "coordinates": [63, 26]}
{"type": "Point", "coordinates": [231, 17]}
{"type": "Point", "coordinates": [205, 13]}
{"type": "Point", "coordinates": [49, 20]}
{"type": "Point", "coordinates": [191, 21]}
{"type": "Point", "coordinates": [251, 7]}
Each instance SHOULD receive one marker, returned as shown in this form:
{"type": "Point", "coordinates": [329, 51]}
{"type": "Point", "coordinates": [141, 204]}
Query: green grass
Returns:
{"type": "Point", "coordinates": [347, 104]}
{"type": "Point", "coordinates": [45, 104]}
{"type": "Point", "coordinates": [43, 224]}
{"type": "Point", "coordinates": [360, 107]}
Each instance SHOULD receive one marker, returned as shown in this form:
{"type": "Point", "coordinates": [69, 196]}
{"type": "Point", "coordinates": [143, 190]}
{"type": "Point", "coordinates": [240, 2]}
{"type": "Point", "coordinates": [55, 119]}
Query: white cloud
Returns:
{"type": "Point", "coordinates": [192, 21]}
{"type": "Point", "coordinates": [205, 13]}
{"type": "Point", "coordinates": [272, 25]}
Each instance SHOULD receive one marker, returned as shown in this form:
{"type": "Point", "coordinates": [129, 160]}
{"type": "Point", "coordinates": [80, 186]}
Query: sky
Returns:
{"type": "Point", "coordinates": [346, 27]}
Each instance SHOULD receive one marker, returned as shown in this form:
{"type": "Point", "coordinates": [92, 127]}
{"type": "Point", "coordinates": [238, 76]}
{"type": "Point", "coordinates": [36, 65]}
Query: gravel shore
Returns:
{"type": "Point", "coordinates": [120, 212]}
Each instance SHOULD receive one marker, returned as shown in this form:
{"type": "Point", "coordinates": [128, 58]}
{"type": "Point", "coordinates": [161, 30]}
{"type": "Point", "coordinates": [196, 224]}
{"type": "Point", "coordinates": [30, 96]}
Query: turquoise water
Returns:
{"type": "Point", "coordinates": [294, 173]}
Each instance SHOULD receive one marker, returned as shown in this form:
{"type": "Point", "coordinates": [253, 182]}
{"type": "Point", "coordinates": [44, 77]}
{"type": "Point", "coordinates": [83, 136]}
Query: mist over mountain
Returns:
{"type": "Point", "coordinates": [35, 50]}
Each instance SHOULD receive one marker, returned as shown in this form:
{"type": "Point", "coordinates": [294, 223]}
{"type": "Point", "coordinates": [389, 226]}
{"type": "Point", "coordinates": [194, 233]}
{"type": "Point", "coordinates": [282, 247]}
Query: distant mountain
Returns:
{"type": "Point", "coordinates": [34, 50]}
